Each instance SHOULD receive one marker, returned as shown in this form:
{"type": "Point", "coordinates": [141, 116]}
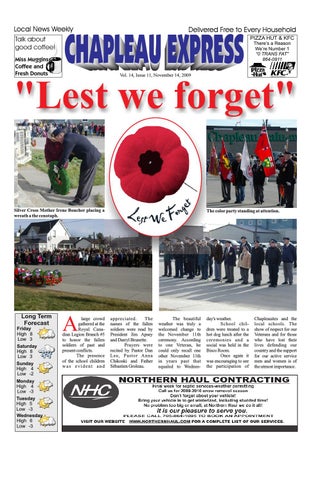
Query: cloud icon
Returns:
{"type": "Point", "coordinates": [46, 351]}
{"type": "Point", "coordinates": [45, 402]}
{"type": "Point", "coordinates": [46, 333]}
{"type": "Point", "coordinates": [44, 367]}
{"type": "Point", "coordinates": [45, 385]}
{"type": "Point", "coordinates": [46, 421]}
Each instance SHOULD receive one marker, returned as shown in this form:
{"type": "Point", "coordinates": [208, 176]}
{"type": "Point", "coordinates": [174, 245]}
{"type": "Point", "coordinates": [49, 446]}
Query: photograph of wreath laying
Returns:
{"type": "Point", "coordinates": [59, 163]}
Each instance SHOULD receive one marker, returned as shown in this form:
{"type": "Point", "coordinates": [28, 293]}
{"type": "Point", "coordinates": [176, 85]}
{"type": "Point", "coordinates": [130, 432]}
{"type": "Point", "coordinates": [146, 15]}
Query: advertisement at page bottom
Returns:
{"type": "Point", "coordinates": [179, 403]}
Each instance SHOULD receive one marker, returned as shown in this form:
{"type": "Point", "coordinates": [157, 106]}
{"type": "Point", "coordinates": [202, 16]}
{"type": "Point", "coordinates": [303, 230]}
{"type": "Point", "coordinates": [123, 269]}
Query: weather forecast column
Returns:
{"type": "Point", "coordinates": [36, 372]}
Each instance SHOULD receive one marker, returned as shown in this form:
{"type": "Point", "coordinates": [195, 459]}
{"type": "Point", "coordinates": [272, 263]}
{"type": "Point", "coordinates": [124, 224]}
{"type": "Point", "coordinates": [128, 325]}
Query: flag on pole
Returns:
{"type": "Point", "coordinates": [264, 152]}
{"type": "Point", "coordinates": [213, 163]}
{"type": "Point", "coordinates": [246, 163]}
{"type": "Point", "coordinates": [246, 166]}
{"type": "Point", "coordinates": [225, 166]}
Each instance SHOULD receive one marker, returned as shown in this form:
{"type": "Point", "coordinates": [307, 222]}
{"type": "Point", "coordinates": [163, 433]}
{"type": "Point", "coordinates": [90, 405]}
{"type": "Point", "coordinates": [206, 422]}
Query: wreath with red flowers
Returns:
{"type": "Point", "coordinates": [19, 273]}
{"type": "Point", "coordinates": [60, 182]}
{"type": "Point", "coordinates": [48, 277]}
{"type": "Point", "coordinates": [57, 277]}
{"type": "Point", "coordinates": [37, 277]}
{"type": "Point", "coordinates": [151, 164]}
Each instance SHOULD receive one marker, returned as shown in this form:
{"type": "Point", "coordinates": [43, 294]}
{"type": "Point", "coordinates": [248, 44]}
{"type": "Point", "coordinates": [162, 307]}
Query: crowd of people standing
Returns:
{"type": "Point", "coordinates": [188, 258]}
{"type": "Point", "coordinates": [286, 177]}
{"type": "Point", "coordinates": [91, 128]}
{"type": "Point", "coordinates": [108, 257]}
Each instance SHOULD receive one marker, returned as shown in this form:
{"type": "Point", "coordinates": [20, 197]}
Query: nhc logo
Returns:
{"type": "Point", "coordinates": [91, 392]}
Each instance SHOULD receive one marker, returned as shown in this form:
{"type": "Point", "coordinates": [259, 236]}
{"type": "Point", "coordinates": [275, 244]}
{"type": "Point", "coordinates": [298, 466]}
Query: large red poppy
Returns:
{"type": "Point", "coordinates": [151, 164]}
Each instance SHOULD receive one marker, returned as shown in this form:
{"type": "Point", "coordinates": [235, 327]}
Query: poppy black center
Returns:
{"type": "Point", "coordinates": [150, 162]}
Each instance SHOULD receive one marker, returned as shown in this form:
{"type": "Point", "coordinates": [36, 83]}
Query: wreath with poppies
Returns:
{"type": "Point", "coordinates": [60, 182]}
{"type": "Point", "coordinates": [151, 164]}
{"type": "Point", "coordinates": [37, 277]}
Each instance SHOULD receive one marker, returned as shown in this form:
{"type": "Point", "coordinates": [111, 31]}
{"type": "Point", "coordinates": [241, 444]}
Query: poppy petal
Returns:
{"type": "Point", "coordinates": [145, 186]}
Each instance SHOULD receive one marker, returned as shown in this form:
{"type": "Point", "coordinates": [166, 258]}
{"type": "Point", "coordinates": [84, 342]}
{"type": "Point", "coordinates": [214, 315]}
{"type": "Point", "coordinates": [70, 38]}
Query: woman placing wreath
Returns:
{"type": "Point", "coordinates": [53, 151]}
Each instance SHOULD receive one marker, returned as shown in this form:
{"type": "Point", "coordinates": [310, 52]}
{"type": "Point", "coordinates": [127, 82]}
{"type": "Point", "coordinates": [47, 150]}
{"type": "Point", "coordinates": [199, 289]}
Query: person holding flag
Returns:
{"type": "Point", "coordinates": [246, 166]}
{"type": "Point", "coordinates": [280, 186]}
{"type": "Point", "coordinates": [264, 152]}
{"type": "Point", "coordinates": [239, 179]}
{"type": "Point", "coordinates": [226, 174]}
{"type": "Point", "coordinates": [213, 167]}
{"type": "Point", "coordinates": [259, 178]}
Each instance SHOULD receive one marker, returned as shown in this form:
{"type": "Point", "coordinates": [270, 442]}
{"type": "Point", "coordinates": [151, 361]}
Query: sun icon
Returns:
{"type": "Point", "coordinates": [44, 367]}
{"type": "Point", "coordinates": [46, 421]}
{"type": "Point", "coordinates": [45, 386]}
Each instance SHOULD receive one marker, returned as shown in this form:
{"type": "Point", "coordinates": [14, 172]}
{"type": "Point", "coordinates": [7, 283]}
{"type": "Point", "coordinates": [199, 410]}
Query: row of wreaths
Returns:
{"type": "Point", "coordinates": [38, 277]}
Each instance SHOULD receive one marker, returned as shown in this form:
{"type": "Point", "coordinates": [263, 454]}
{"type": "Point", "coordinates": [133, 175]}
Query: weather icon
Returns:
{"type": "Point", "coordinates": [47, 351]}
{"type": "Point", "coordinates": [46, 333]}
{"type": "Point", "coordinates": [45, 385]}
{"type": "Point", "coordinates": [45, 367]}
{"type": "Point", "coordinates": [45, 402]}
{"type": "Point", "coordinates": [46, 421]}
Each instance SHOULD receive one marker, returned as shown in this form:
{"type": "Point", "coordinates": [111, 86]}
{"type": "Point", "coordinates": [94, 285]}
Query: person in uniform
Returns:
{"type": "Point", "coordinates": [178, 255]}
{"type": "Point", "coordinates": [273, 260]}
{"type": "Point", "coordinates": [204, 252]}
{"type": "Point", "coordinates": [239, 179]}
{"type": "Point", "coordinates": [167, 250]}
{"type": "Point", "coordinates": [259, 178]}
{"type": "Point", "coordinates": [218, 259]}
{"type": "Point", "coordinates": [229, 261]}
{"type": "Point", "coordinates": [191, 253]}
{"type": "Point", "coordinates": [257, 261]}
{"type": "Point", "coordinates": [289, 259]}
{"type": "Point", "coordinates": [286, 178]}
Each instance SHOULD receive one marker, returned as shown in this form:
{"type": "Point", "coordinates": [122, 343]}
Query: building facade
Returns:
{"type": "Point", "coordinates": [261, 229]}
{"type": "Point", "coordinates": [234, 136]}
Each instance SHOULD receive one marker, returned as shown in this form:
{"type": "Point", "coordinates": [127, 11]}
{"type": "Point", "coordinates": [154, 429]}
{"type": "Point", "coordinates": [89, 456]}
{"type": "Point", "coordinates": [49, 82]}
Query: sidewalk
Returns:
{"type": "Point", "coordinates": [33, 191]}
{"type": "Point", "coordinates": [33, 185]}
{"type": "Point", "coordinates": [194, 295]}
{"type": "Point", "coordinates": [214, 196]}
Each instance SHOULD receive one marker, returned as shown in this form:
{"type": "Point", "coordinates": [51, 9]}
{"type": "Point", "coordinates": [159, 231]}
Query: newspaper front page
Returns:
{"type": "Point", "coordinates": [157, 215]}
